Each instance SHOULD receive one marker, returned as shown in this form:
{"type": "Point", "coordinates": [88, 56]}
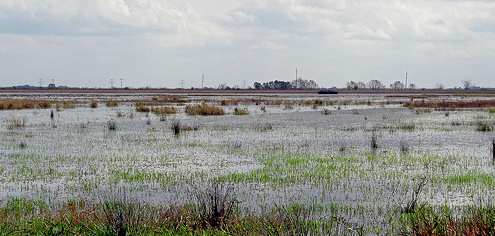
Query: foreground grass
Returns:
{"type": "Point", "coordinates": [27, 217]}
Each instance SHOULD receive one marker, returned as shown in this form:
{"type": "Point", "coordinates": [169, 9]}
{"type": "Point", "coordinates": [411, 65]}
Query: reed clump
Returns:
{"type": "Point", "coordinates": [112, 104]}
{"type": "Point", "coordinates": [204, 110]}
{"type": "Point", "coordinates": [15, 122]}
{"type": "Point", "coordinates": [241, 111]}
{"type": "Point", "coordinates": [163, 110]}
{"type": "Point", "coordinates": [93, 104]}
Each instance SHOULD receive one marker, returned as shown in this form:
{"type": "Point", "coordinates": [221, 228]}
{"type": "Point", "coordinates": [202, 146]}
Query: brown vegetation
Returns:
{"type": "Point", "coordinates": [204, 110]}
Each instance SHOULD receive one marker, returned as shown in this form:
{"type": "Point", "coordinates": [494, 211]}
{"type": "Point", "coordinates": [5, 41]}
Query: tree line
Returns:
{"type": "Point", "coordinates": [286, 85]}
{"type": "Point", "coordinates": [376, 84]}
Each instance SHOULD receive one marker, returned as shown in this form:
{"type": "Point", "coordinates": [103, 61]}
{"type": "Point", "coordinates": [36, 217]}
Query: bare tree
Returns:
{"type": "Point", "coordinates": [375, 84]}
{"type": "Point", "coordinates": [304, 84]}
{"type": "Point", "coordinates": [439, 86]}
{"type": "Point", "coordinates": [467, 84]}
{"type": "Point", "coordinates": [397, 85]}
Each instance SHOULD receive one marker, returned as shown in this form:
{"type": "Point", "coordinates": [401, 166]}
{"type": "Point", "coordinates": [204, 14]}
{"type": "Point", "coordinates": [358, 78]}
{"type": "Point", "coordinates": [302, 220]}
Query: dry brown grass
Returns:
{"type": "Point", "coordinates": [204, 110]}
{"type": "Point", "coordinates": [163, 110]}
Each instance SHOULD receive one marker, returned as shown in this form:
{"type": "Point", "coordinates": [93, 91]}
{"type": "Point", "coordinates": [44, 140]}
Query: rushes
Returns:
{"type": "Point", "coordinates": [216, 204]}
{"type": "Point", "coordinates": [120, 214]}
{"type": "Point", "coordinates": [15, 122]}
{"type": "Point", "coordinates": [241, 111]}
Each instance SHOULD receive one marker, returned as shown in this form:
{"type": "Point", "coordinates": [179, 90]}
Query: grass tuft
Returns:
{"type": "Point", "coordinates": [241, 111]}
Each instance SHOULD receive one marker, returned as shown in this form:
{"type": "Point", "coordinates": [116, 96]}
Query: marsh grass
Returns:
{"type": "Point", "coordinates": [204, 110]}
{"type": "Point", "coordinates": [326, 111]}
{"type": "Point", "coordinates": [162, 111]}
{"type": "Point", "coordinates": [15, 122]}
{"type": "Point", "coordinates": [112, 103]}
{"type": "Point", "coordinates": [429, 220]}
{"type": "Point", "coordinates": [483, 126]}
{"type": "Point", "coordinates": [216, 204]}
{"type": "Point", "coordinates": [120, 214]}
{"type": "Point", "coordinates": [241, 111]}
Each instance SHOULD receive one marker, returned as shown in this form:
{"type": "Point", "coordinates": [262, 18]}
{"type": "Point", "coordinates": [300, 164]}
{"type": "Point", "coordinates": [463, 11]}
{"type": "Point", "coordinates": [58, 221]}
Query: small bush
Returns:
{"type": "Point", "coordinates": [204, 110]}
{"type": "Point", "coordinates": [483, 126]}
{"type": "Point", "coordinates": [93, 104]}
{"type": "Point", "coordinates": [112, 104]}
{"type": "Point", "coordinates": [112, 125]}
{"type": "Point", "coordinates": [241, 111]}
{"type": "Point", "coordinates": [326, 112]}
{"type": "Point", "coordinates": [216, 204]}
{"type": "Point", "coordinates": [143, 109]}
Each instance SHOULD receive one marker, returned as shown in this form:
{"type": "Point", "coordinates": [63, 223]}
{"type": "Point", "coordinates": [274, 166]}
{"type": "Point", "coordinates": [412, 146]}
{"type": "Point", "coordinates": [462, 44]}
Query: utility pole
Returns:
{"type": "Point", "coordinates": [111, 83]}
{"type": "Point", "coordinates": [406, 79]}
{"type": "Point", "coordinates": [244, 84]}
{"type": "Point", "coordinates": [296, 78]}
{"type": "Point", "coordinates": [203, 81]}
{"type": "Point", "coordinates": [121, 87]}
{"type": "Point", "coordinates": [41, 82]}
{"type": "Point", "coordinates": [182, 83]}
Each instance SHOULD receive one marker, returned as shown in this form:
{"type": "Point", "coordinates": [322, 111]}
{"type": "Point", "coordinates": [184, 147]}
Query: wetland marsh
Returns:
{"type": "Point", "coordinates": [357, 159]}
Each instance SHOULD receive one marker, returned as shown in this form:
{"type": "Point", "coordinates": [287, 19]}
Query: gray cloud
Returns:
{"type": "Point", "coordinates": [239, 40]}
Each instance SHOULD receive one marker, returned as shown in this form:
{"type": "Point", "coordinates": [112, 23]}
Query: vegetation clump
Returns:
{"type": "Point", "coordinates": [19, 104]}
{"type": "Point", "coordinates": [483, 126]}
{"type": "Point", "coordinates": [44, 104]}
{"type": "Point", "coordinates": [163, 110]}
{"type": "Point", "coordinates": [204, 110]}
{"type": "Point", "coordinates": [93, 104]}
{"type": "Point", "coordinates": [15, 122]}
{"type": "Point", "coordinates": [241, 111]}
{"type": "Point", "coordinates": [112, 104]}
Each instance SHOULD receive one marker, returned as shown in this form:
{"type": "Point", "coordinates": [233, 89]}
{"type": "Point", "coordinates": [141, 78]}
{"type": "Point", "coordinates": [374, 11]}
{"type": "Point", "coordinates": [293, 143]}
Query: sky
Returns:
{"type": "Point", "coordinates": [158, 43]}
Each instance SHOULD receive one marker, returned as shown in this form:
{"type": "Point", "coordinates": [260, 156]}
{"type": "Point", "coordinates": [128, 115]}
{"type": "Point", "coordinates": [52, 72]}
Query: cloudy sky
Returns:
{"type": "Point", "coordinates": [158, 43]}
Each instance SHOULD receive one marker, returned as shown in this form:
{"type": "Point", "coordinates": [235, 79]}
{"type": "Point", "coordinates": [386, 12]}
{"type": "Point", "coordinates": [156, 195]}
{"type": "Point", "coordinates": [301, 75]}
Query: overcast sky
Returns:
{"type": "Point", "coordinates": [158, 43]}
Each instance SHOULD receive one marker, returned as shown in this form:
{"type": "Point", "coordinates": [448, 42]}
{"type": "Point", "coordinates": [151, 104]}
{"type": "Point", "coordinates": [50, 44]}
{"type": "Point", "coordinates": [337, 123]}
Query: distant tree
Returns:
{"type": "Point", "coordinates": [397, 85]}
{"type": "Point", "coordinates": [223, 86]}
{"type": "Point", "coordinates": [257, 85]}
{"type": "Point", "coordinates": [351, 85]}
{"type": "Point", "coordinates": [467, 84]}
{"type": "Point", "coordinates": [439, 86]}
{"type": "Point", "coordinates": [355, 85]}
{"type": "Point", "coordinates": [361, 85]}
{"type": "Point", "coordinates": [412, 86]}
{"type": "Point", "coordinates": [375, 84]}
{"type": "Point", "coordinates": [304, 84]}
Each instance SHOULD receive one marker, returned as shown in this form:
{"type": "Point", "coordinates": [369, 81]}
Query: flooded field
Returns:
{"type": "Point", "coordinates": [359, 157]}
